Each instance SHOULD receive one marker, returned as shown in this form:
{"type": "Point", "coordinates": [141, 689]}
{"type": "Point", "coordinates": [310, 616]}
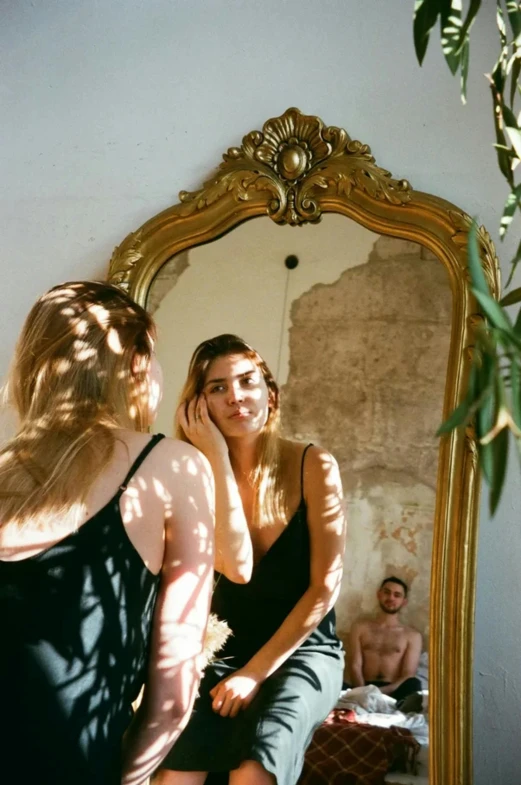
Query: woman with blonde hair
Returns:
{"type": "Point", "coordinates": [106, 541]}
{"type": "Point", "coordinates": [279, 559]}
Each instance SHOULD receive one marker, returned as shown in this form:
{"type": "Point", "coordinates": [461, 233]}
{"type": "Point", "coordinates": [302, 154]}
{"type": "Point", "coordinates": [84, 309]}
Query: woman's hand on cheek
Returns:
{"type": "Point", "coordinates": [194, 419]}
{"type": "Point", "coordinates": [235, 693]}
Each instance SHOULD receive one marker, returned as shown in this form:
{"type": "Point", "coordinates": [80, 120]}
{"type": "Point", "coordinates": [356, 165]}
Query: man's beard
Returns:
{"type": "Point", "coordinates": [390, 611]}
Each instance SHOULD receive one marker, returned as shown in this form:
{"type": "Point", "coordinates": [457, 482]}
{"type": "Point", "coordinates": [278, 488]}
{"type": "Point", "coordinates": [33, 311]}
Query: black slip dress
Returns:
{"type": "Point", "coordinates": [76, 621]}
{"type": "Point", "coordinates": [278, 725]}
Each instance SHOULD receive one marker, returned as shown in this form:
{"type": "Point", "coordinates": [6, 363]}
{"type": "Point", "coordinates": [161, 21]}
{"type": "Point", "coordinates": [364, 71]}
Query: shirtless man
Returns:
{"type": "Point", "coordinates": [383, 651]}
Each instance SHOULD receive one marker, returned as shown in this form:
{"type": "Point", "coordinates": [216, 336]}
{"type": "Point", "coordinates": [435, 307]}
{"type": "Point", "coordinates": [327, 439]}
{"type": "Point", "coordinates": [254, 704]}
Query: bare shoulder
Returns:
{"type": "Point", "coordinates": [319, 457]}
{"type": "Point", "coordinates": [318, 463]}
{"type": "Point", "coordinates": [413, 635]}
{"type": "Point", "coordinates": [174, 456]}
{"type": "Point", "coordinates": [170, 461]}
{"type": "Point", "coordinates": [316, 456]}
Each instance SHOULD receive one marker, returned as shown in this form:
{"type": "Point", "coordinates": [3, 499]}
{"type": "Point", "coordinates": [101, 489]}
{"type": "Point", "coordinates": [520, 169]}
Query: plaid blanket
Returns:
{"type": "Point", "coordinates": [345, 752]}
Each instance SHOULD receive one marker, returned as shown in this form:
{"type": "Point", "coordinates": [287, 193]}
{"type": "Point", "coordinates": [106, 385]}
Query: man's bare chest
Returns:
{"type": "Point", "coordinates": [384, 642]}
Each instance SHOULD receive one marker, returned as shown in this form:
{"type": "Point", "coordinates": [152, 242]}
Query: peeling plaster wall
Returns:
{"type": "Point", "coordinates": [360, 333]}
{"type": "Point", "coordinates": [368, 357]}
{"type": "Point", "coordinates": [240, 284]}
{"type": "Point", "coordinates": [165, 279]}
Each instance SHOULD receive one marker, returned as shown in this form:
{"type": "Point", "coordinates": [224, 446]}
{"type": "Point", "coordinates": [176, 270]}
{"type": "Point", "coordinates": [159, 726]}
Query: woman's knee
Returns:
{"type": "Point", "coordinates": [251, 772]}
{"type": "Point", "coordinates": [167, 777]}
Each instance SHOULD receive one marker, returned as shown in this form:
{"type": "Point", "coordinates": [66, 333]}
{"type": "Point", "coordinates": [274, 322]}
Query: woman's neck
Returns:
{"type": "Point", "coordinates": [244, 455]}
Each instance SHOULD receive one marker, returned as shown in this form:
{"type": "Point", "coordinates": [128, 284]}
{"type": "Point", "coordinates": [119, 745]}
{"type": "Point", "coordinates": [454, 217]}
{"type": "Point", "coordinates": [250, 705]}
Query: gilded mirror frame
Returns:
{"type": "Point", "coordinates": [295, 170]}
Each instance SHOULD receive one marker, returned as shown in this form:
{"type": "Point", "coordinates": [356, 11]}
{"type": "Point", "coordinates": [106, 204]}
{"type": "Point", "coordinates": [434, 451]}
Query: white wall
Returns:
{"type": "Point", "coordinates": [109, 107]}
{"type": "Point", "coordinates": [241, 285]}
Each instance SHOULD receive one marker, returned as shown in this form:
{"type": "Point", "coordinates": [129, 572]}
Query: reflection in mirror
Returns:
{"type": "Point", "coordinates": [357, 335]}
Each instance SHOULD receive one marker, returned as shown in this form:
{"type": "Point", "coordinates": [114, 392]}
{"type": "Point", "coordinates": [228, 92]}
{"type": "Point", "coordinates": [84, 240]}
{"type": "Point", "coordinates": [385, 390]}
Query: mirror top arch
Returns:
{"type": "Point", "coordinates": [295, 170]}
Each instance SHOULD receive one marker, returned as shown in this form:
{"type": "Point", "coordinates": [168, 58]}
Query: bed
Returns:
{"type": "Point", "coordinates": [359, 744]}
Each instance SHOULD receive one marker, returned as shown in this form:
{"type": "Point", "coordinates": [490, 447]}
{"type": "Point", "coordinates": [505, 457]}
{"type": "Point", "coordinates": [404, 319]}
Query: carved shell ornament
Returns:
{"type": "Point", "coordinates": [296, 161]}
{"type": "Point", "coordinates": [294, 155]}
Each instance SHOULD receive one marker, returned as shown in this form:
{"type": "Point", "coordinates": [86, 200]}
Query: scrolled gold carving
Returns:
{"type": "Point", "coordinates": [462, 224]}
{"type": "Point", "coordinates": [471, 445]}
{"type": "Point", "coordinates": [124, 259]}
{"type": "Point", "coordinates": [294, 156]}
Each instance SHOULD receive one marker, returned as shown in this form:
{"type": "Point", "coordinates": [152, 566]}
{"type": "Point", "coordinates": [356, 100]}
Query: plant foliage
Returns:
{"type": "Point", "coordinates": [493, 399]}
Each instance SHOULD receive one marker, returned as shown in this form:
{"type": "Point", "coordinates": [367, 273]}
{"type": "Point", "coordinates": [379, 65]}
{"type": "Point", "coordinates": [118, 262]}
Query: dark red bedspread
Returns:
{"type": "Point", "coordinates": [345, 752]}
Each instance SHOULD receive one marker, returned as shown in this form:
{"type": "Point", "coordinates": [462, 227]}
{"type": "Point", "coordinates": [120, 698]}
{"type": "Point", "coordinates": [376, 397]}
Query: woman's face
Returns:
{"type": "Point", "coordinates": [237, 395]}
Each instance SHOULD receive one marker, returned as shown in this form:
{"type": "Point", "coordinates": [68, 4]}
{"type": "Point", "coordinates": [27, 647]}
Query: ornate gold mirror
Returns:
{"type": "Point", "coordinates": [370, 337]}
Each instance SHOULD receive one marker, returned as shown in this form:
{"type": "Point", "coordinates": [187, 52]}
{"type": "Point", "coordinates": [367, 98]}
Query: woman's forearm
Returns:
{"type": "Point", "coordinates": [296, 627]}
{"type": "Point", "coordinates": [234, 553]}
{"type": "Point", "coordinates": [146, 744]}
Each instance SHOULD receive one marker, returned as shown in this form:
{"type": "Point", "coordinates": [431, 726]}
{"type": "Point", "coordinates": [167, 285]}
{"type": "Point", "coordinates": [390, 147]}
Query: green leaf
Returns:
{"type": "Point", "coordinates": [503, 150]}
{"type": "Point", "coordinates": [514, 134]}
{"type": "Point", "coordinates": [514, 79]}
{"type": "Point", "coordinates": [500, 69]}
{"type": "Point", "coordinates": [503, 147]}
{"type": "Point", "coordinates": [462, 413]}
{"type": "Point", "coordinates": [426, 13]}
{"type": "Point", "coordinates": [451, 25]}
{"type": "Point", "coordinates": [477, 276]}
{"type": "Point", "coordinates": [475, 383]}
{"type": "Point", "coordinates": [485, 372]}
{"type": "Point", "coordinates": [460, 416]}
{"type": "Point", "coordinates": [515, 386]}
{"type": "Point", "coordinates": [485, 419]}
{"type": "Point", "coordinates": [469, 19]}
{"type": "Point", "coordinates": [498, 76]}
{"type": "Point", "coordinates": [493, 311]}
{"type": "Point", "coordinates": [513, 265]}
{"type": "Point", "coordinates": [500, 21]}
{"type": "Point", "coordinates": [514, 17]}
{"type": "Point", "coordinates": [511, 298]}
{"type": "Point", "coordinates": [480, 386]}
{"type": "Point", "coordinates": [513, 130]}
{"type": "Point", "coordinates": [513, 201]}
{"type": "Point", "coordinates": [465, 52]}
{"type": "Point", "coordinates": [508, 339]}
{"type": "Point", "coordinates": [517, 324]}
{"type": "Point", "coordinates": [499, 462]}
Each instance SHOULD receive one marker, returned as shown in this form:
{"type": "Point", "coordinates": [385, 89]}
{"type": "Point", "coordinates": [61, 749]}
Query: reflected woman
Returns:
{"type": "Point", "coordinates": [106, 539]}
{"type": "Point", "coordinates": [279, 558]}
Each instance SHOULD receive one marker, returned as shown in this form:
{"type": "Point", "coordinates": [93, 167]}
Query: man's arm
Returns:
{"type": "Point", "coordinates": [356, 661]}
{"type": "Point", "coordinates": [410, 663]}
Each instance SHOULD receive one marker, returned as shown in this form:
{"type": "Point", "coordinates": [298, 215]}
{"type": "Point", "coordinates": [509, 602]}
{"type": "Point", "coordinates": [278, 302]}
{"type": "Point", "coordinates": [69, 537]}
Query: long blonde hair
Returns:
{"type": "Point", "coordinates": [80, 370]}
{"type": "Point", "coordinates": [267, 476]}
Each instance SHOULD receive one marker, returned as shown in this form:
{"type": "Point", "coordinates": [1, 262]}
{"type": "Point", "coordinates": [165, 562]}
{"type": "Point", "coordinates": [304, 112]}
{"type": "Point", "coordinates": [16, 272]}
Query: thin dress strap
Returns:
{"type": "Point", "coordinates": [306, 448]}
{"type": "Point", "coordinates": [139, 460]}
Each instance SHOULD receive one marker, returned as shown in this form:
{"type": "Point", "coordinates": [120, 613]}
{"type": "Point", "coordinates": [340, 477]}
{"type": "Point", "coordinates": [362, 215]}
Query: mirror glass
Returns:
{"type": "Point", "coordinates": [356, 329]}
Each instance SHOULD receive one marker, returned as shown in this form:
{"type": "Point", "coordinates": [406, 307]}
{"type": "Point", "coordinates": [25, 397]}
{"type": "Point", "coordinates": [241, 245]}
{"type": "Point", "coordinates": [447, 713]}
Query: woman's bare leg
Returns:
{"type": "Point", "coordinates": [167, 777]}
{"type": "Point", "coordinates": [250, 772]}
